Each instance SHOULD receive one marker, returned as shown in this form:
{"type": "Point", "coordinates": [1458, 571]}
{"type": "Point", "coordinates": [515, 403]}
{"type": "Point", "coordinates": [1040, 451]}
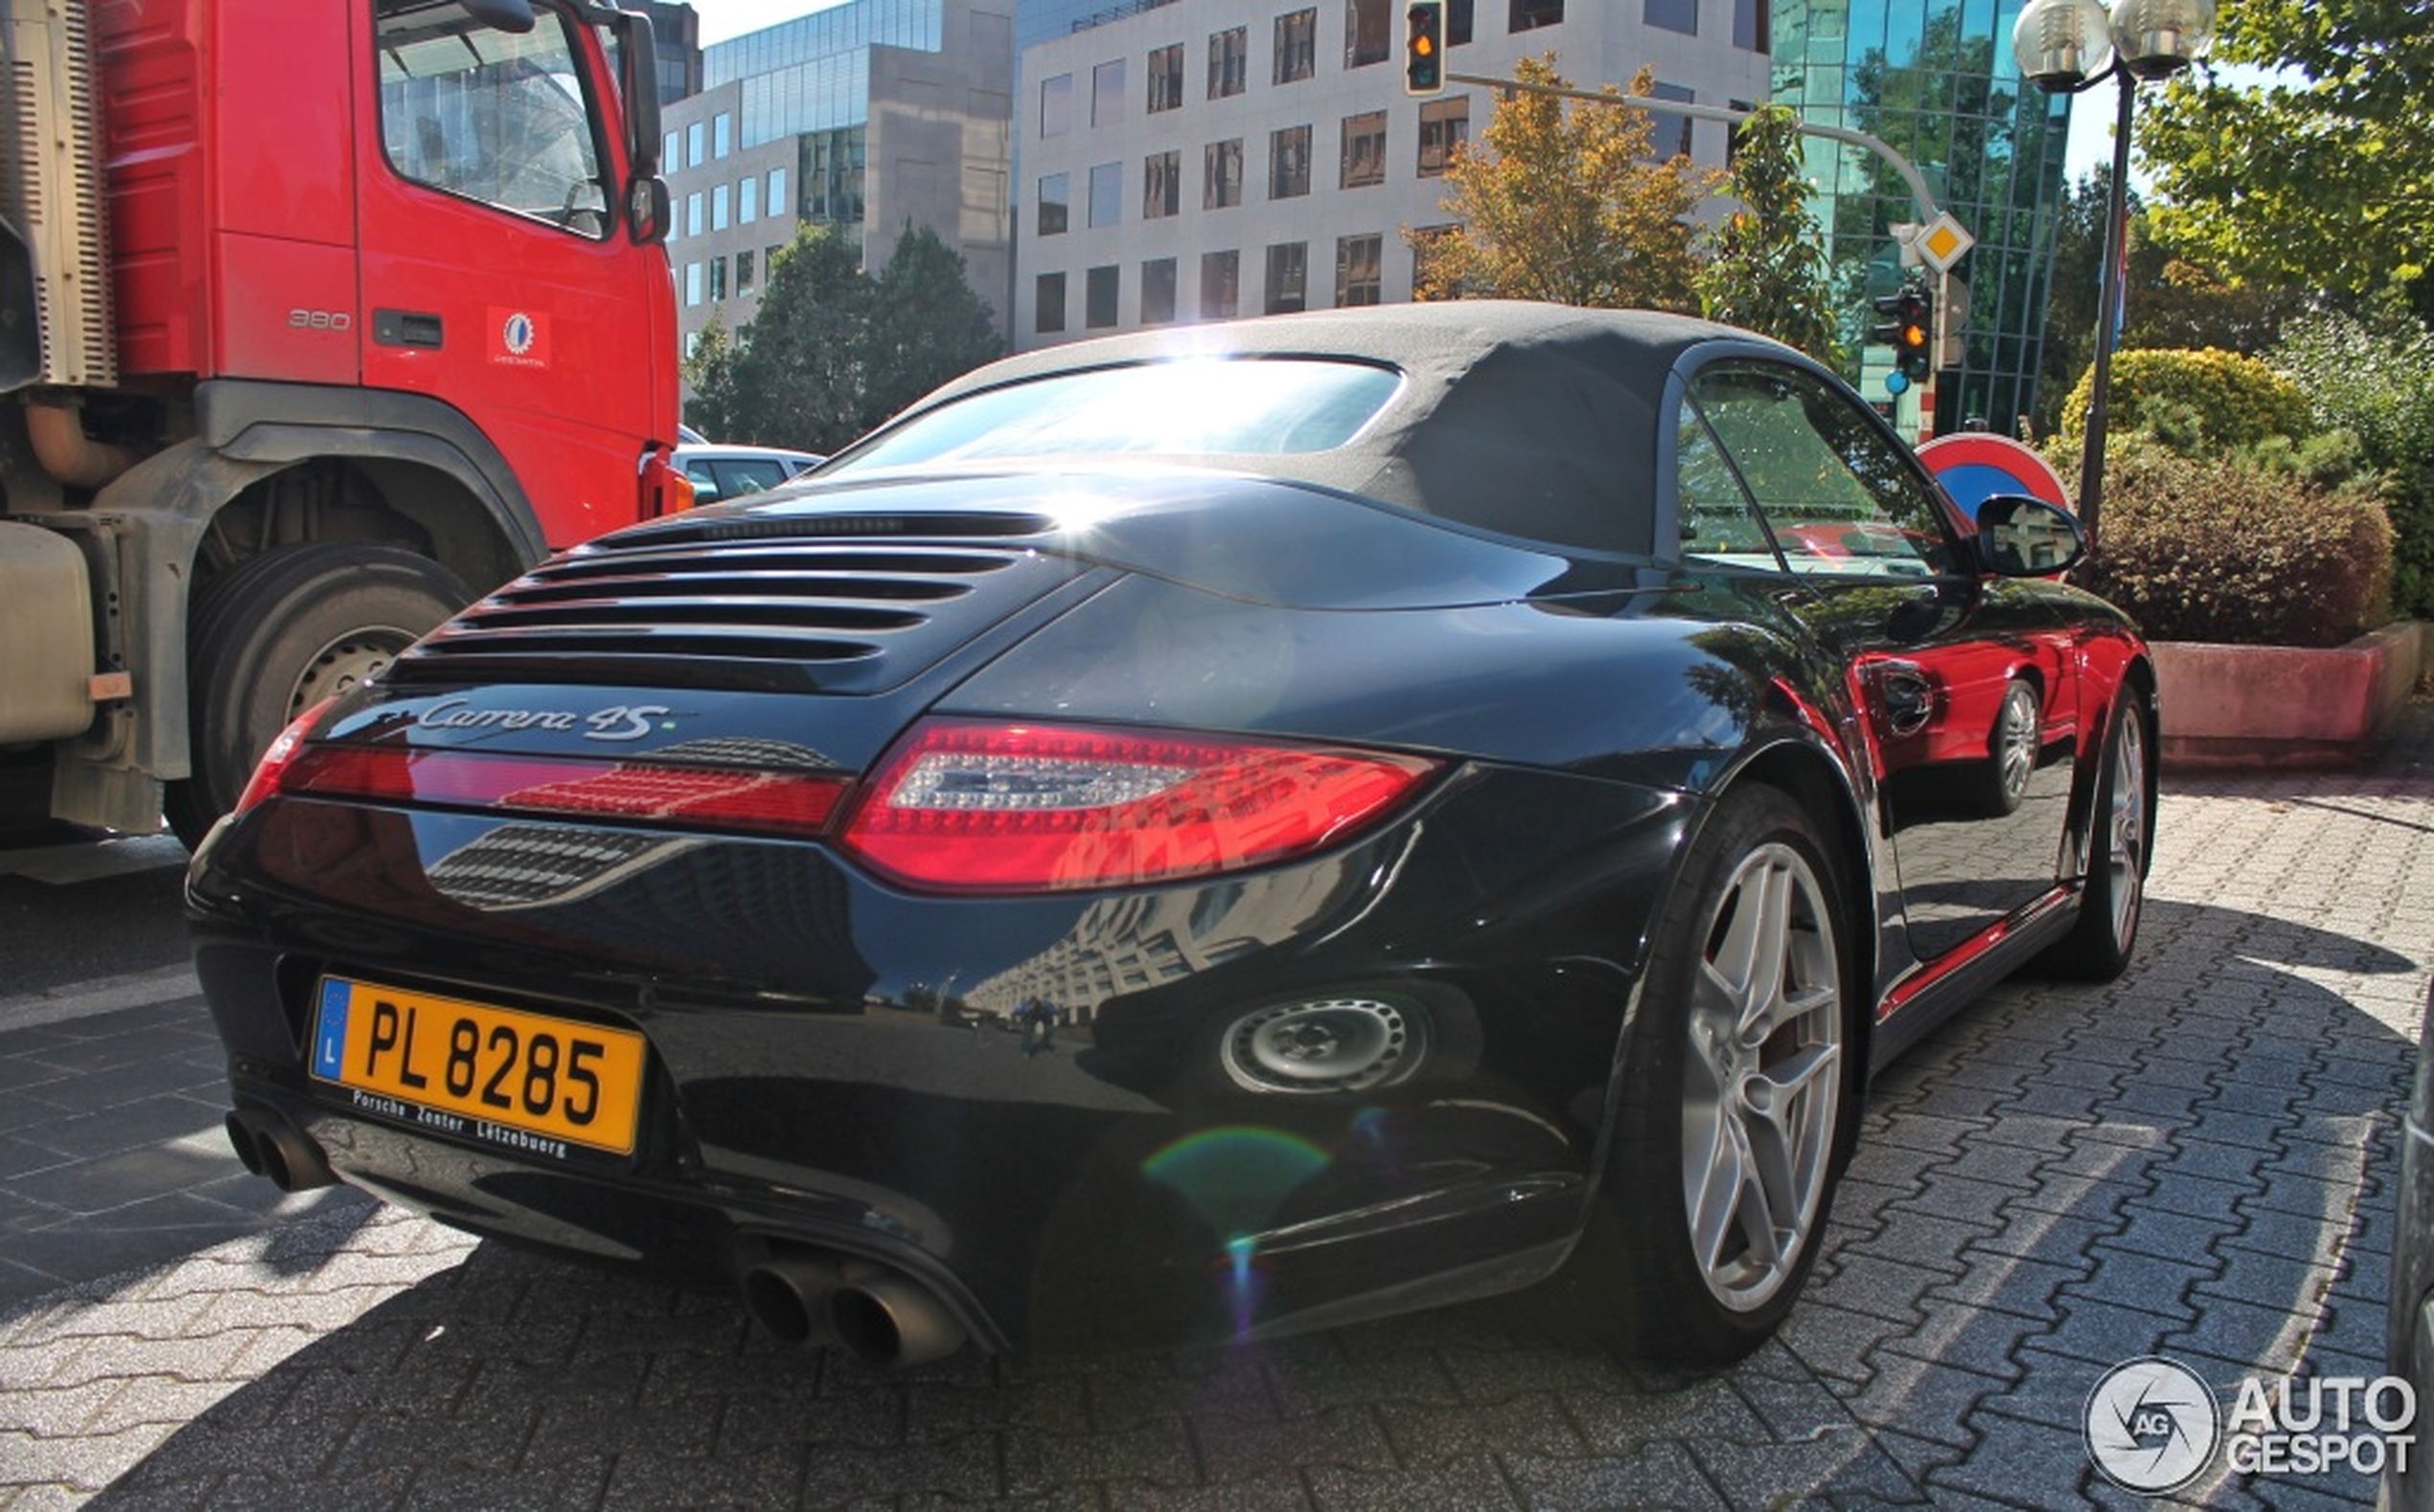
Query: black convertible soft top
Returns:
{"type": "Point", "coordinates": [1536, 420]}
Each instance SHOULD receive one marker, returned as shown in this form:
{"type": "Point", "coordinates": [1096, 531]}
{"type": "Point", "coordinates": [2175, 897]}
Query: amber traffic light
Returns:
{"type": "Point", "coordinates": [1424, 47]}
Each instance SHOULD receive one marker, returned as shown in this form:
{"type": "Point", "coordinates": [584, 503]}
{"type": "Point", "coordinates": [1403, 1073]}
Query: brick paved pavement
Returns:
{"type": "Point", "coordinates": [2196, 1162]}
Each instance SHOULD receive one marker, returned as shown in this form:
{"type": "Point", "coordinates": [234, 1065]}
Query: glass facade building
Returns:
{"type": "Point", "coordinates": [1936, 81]}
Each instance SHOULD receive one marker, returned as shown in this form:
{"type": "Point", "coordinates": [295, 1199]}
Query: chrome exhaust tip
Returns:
{"type": "Point", "coordinates": [890, 1318]}
{"type": "Point", "coordinates": [790, 1296]}
{"type": "Point", "coordinates": [269, 1146]}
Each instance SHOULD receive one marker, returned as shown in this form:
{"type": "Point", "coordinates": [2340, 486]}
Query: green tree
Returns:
{"type": "Point", "coordinates": [710, 373]}
{"type": "Point", "coordinates": [926, 325]}
{"type": "Point", "coordinates": [1768, 270]}
{"type": "Point", "coordinates": [2319, 173]}
{"type": "Point", "coordinates": [1562, 205]}
{"type": "Point", "coordinates": [799, 375]}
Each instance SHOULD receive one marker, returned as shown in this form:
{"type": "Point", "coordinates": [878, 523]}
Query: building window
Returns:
{"type": "Point", "coordinates": [717, 279]}
{"type": "Point", "coordinates": [692, 214]}
{"type": "Point", "coordinates": [1165, 78]}
{"type": "Point", "coordinates": [1221, 174]}
{"type": "Point", "coordinates": [1365, 28]}
{"type": "Point", "coordinates": [1158, 291]}
{"type": "Point", "coordinates": [1228, 62]}
{"type": "Point", "coordinates": [744, 265]}
{"type": "Point", "coordinates": [1672, 136]}
{"type": "Point", "coordinates": [1161, 185]}
{"type": "Point", "coordinates": [778, 205]}
{"type": "Point", "coordinates": [1099, 289]}
{"type": "Point", "coordinates": [671, 152]}
{"type": "Point", "coordinates": [1529, 14]}
{"type": "Point", "coordinates": [1356, 270]}
{"type": "Point", "coordinates": [1107, 93]}
{"type": "Point", "coordinates": [1220, 286]}
{"type": "Point", "coordinates": [694, 151]}
{"type": "Point", "coordinates": [692, 284]}
{"type": "Point", "coordinates": [718, 208]}
{"type": "Point", "coordinates": [1055, 194]}
{"type": "Point", "coordinates": [1288, 162]}
{"type": "Point", "coordinates": [1457, 22]}
{"type": "Point", "coordinates": [1047, 303]}
{"type": "Point", "coordinates": [1297, 45]}
{"type": "Point", "coordinates": [1673, 16]}
{"type": "Point", "coordinates": [1288, 277]}
{"type": "Point", "coordinates": [721, 134]}
{"type": "Point", "coordinates": [1445, 126]}
{"type": "Point", "coordinates": [1107, 194]}
{"type": "Point", "coordinates": [1364, 150]}
{"type": "Point", "coordinates": [1752, 26]}
{"type": "Point", "coordinates": [748, 199]}
{"type": "Point", "coordinates": [1056, 108]}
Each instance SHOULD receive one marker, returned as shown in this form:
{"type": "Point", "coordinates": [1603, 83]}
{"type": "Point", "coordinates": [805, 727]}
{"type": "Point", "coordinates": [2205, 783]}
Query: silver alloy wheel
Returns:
{"type": "Point", "coordinates": [2015, 740]}
{"type": "Point", "coordinates": [346, 663]}
{"type": "Point", "coordinates": [2125, 826]}
{"type": "Point", "coordinates": [1332, 1044]}
{"type": "Point", "coordinates": [1762, 1082]}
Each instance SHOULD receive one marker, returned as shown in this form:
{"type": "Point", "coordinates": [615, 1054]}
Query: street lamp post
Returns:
{"type": "Point", "coordinates": [2063, 47]}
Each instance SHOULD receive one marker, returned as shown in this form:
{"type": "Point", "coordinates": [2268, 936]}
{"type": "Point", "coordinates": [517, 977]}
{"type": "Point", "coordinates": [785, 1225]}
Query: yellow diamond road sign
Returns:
{"type": "Point", "coordinates": [1940, 243]}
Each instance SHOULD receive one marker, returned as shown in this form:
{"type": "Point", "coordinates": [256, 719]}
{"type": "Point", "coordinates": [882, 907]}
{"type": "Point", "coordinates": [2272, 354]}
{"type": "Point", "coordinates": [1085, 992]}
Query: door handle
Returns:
{"type": "Point", "coordinates": [405, 328]}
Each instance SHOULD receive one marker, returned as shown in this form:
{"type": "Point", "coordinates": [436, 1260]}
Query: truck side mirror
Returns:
{"type": "Point", "coordinates": [646, 211]}
{"type": "Point", "coordinates": [505, 16]}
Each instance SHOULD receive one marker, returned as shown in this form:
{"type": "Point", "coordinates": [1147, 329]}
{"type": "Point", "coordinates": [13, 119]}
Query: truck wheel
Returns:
{"type": "Point", "coordinates": [278, 634]}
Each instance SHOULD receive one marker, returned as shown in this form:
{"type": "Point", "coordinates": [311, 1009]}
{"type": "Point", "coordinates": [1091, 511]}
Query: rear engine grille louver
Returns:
{"type": "Point", "coordinates": [768, 603]}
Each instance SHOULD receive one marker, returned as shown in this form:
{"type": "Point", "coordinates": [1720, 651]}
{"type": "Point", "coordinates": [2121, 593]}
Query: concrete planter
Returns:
{"type": "Point", "coordinates": [2248, 707]}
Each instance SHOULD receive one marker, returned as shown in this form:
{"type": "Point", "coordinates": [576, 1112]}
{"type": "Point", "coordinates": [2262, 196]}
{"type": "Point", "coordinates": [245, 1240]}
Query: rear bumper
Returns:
{"type": "Point", "coordinates": [834, 1065]}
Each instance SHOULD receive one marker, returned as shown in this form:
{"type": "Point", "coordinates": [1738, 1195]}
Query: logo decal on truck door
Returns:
{"type": "Point", "coordinates": [523, 338]}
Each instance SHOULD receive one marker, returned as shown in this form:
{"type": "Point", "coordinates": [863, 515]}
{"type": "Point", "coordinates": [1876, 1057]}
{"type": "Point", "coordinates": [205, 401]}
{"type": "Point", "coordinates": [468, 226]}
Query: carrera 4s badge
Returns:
{"type": "Point", "coordinates": [619, 721]}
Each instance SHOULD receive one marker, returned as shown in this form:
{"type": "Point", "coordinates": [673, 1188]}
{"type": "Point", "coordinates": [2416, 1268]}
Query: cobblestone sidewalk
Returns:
{"type": "Point", "coordinates": [2194, 1161]}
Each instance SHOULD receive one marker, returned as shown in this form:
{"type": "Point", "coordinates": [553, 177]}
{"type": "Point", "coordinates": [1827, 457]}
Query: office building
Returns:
{"type": "Point", "coordinates": [865, 115]}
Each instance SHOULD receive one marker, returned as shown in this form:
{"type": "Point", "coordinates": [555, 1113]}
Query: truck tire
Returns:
{"type": "Point", "coordinates": [278, 634]}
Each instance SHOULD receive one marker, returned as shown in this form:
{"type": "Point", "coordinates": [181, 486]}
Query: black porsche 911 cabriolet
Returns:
{"type": "Point", "coordinates": [1201, 835]}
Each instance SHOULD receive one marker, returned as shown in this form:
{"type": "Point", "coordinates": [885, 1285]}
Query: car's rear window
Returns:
{"type": "Point", "coordinates": [1266, 406]}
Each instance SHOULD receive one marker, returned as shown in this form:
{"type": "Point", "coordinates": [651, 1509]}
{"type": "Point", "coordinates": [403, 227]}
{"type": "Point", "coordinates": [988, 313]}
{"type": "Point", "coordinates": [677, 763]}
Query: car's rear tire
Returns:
{"type": "Point", "coordinates": [278, 634]}
{"type": "Point", "coordinates": [1736, 1098]}
{"type": "Point", "coordinates": [2100, 945]}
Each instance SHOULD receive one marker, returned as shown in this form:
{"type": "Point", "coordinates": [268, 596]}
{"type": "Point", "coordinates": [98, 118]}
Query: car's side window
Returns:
{"type": "Point", "coordinates": [1718, 525]}
{"type": "Point", "coordinates": [1834, 493]}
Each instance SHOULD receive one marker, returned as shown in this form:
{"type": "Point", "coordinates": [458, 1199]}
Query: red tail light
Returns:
{"type": "Point", "coordinates": [1009, 808]}
{"type": "Point", "coordinates": [778, 802]}
{"type": "Point", "coordinates": [270, 772]}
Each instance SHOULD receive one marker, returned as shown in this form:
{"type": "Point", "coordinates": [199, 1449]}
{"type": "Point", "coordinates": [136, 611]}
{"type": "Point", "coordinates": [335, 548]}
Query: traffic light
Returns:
{"type": "Point", "coordinates": [1911, 331]}
{"type": "Point", "coordinates": [1424, 47]}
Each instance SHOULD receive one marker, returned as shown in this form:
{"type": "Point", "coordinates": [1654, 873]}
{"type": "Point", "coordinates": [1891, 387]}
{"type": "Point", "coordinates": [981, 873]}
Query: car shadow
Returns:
{"type": "Point", "coordinates": [2196, 1160]}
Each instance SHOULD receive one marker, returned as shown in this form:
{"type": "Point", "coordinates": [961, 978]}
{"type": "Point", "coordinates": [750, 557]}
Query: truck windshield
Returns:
{"type": "Point", "coordinates": [490, 115]}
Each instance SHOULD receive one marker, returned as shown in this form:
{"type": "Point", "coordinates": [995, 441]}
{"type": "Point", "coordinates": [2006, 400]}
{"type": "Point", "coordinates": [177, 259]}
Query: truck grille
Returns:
{"type": "Point", "coordinates": [759, 602]}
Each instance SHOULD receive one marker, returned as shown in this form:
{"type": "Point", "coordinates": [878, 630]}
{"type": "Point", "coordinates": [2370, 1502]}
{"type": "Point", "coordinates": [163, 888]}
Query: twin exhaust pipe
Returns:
{"type": "Point", "coordinates": [881, 1316]}
{"type": "Point", "coordinates": [269, 1146]}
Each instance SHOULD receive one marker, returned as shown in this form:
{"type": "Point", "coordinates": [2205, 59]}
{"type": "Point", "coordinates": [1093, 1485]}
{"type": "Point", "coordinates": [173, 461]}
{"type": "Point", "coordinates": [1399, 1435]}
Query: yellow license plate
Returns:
{"type": "Point", "coordinates": [481, 1070]}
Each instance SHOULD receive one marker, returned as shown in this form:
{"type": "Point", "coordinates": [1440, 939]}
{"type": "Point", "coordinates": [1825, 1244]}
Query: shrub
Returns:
{"type": "Point", "coordinates": [2196, 401]}
{"type": "Point", "coordinates": [2370, 377]}
{"type": "Point", "coordinates": [2223, 550]}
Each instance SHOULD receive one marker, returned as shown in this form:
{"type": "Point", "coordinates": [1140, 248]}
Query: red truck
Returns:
{"type": "Point", "coordinates": [314, 319]}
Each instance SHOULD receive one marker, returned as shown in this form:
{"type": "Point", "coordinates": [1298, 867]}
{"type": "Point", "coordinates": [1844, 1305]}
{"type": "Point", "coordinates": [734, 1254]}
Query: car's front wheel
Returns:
{"type": "Point", "coordinates": [1737, 1089]}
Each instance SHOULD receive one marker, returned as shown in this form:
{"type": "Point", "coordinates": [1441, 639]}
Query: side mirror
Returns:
{"type": "Point", "coordinates": [646, 211]}
{"type": "Point", "coordinates": [505, 16]}
{"type": "Point", "coordinates": [2019, 537]}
